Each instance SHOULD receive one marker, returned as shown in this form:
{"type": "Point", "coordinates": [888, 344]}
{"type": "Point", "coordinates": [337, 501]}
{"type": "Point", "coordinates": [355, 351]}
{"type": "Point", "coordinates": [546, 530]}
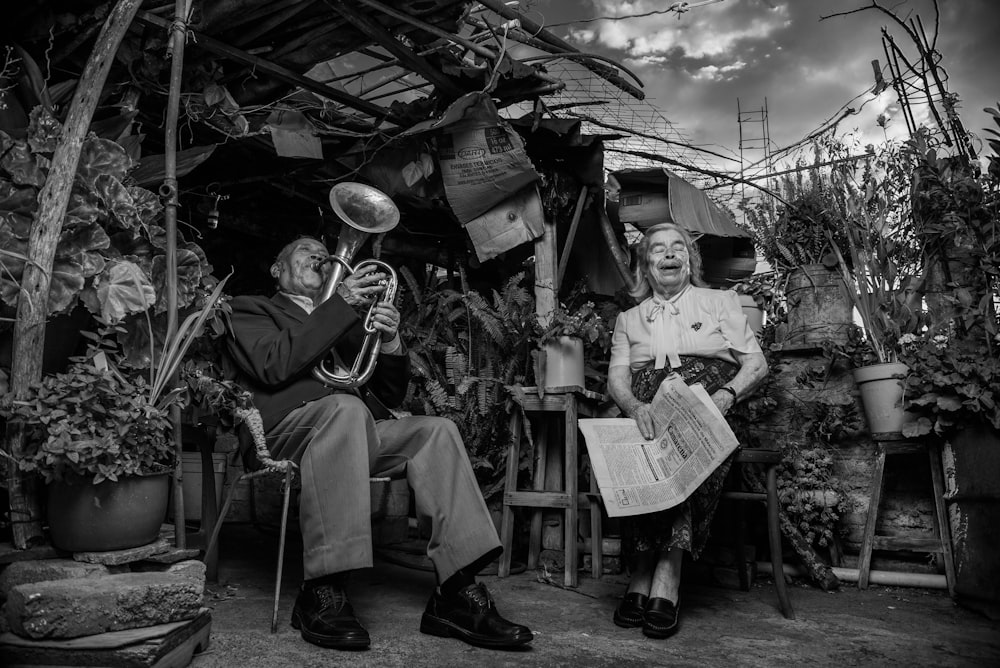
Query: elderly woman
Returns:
{"type": "Point", "coordinates": [701, 333]}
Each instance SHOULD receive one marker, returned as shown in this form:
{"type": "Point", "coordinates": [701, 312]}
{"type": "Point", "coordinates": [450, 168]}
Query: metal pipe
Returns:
{"type": "Point", "coordinates": [886, 578]}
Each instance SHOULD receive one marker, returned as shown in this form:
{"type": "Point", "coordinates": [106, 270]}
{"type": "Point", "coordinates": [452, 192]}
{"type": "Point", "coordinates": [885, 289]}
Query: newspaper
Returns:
{"type": "Point", "coordinates": [637, 476]}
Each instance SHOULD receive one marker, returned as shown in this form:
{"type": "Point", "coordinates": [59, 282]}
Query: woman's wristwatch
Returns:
{"type": "Point", "coordinates": [731, 391]}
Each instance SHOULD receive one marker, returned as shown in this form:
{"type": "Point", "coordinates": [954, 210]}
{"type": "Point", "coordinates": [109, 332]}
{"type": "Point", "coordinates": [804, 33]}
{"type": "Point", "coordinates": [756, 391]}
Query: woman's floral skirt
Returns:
{"type": "Point", "coordinates": [685, 526]}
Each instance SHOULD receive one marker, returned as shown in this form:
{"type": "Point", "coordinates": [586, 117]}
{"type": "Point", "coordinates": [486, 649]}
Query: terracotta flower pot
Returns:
{"type": "Point", "coordinates": [882, 397]}
{"type": "Point", "coordinates": [84, 517]}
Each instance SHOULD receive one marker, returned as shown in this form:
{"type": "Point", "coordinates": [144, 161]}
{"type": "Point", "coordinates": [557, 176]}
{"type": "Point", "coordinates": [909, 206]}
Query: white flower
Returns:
{"type": "Point", "coordinates": [940, 341]}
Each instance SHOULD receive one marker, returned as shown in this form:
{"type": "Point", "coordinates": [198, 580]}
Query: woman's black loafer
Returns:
{"type": "Point", "coordinates": [662, 618]}
{"type": "Point", "coordinates": [629, 612]}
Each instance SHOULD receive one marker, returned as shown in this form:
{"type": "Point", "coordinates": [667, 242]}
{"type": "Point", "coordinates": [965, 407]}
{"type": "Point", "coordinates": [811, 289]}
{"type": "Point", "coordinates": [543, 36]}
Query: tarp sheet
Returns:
{"type": "Point", "coordinates": [689, 207]}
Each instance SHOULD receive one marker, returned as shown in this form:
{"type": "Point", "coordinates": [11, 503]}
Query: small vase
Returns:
{"type": "Point", "coordinates": [882, 397]}
{"type": "Point", "coordinates": [563, 362]}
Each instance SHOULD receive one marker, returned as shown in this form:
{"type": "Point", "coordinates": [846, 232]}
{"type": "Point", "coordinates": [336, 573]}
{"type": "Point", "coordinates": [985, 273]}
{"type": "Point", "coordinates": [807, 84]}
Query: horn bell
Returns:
{"type": "Point", "coordinates": [363, 207]}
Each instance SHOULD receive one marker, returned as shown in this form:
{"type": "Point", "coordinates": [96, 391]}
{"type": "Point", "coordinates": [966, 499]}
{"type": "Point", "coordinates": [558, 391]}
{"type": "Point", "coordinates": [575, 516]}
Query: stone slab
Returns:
{"type": "Point", "coordinates": [87, 606]}
{"type": "Point", "coordinates": [119, 557]}
{"type": "Point", "coordinates": [10, 554]}
{"type": "Point", "coordinates": [41, 570]}
{"type": "Point", "coordinates": [172, 556]}
{"type": "Point", "coordinates": [161, 646]}
{"type": "Point", "coordinates": [190, 568]}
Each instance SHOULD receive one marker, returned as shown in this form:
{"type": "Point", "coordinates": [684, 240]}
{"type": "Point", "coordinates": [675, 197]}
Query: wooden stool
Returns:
{"type": "Point", "coordinates": [566, 403]}
{"type": "Point", "coordinates": [769, 460]}
{"type": "Point", "coordinates": [890, 444]}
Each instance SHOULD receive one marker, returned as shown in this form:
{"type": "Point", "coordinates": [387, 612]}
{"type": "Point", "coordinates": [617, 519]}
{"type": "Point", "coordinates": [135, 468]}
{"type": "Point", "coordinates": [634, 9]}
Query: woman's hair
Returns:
{"type": "Point", "coordinates": [640, 275]}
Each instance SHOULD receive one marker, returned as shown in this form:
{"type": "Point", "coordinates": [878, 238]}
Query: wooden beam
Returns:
{"type": "Point", "coordinates": [381, 36]}
{"type": "Point", "coordinates": [489, 54]}
{"type": "Point", "coordinates": [33, 300]}
{"type": "Point", "coordinates": [283, 73]}
{"type": "Point", "coordinates": [571, 236]}
{"type": "Point", "coordinates": [277, 15]}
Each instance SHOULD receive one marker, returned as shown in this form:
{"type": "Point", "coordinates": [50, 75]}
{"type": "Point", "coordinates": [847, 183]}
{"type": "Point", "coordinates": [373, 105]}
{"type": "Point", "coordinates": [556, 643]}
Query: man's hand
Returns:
{"type": "Point", "coordinates": [362, 286]}
{"type": "Point", "coordinates": [385, 318]}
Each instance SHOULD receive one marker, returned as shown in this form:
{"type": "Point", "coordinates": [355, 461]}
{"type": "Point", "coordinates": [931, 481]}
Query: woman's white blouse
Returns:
{"type": "Point", "coordinates": [703, 322]}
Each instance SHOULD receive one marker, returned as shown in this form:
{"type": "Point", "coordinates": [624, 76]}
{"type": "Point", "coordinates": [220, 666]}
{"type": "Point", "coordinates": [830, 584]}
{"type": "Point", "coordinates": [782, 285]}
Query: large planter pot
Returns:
{"type": "Point", "coordinates": [753, 313]}
{"type": "Point", "coordinates": [819, 308]}
{"type": "Point", "coordinates": [112, 515]}
{"type": "Point", "coordinates": [974, 498]}
{"type": "Point", "coordinates": [881, 388]}
{"type": "Point", "coordinates": [563, 362]}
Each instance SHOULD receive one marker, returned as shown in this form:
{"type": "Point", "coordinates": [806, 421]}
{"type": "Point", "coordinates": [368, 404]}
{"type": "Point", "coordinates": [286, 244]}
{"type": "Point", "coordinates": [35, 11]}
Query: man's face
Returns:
{"type": "Point", "coordinates": [298, 273]}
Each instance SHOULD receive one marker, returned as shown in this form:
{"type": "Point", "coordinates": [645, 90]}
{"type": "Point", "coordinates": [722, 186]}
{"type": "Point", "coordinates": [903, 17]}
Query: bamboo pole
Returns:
{"type": "Point", "coordinates": [178, 33]}
{"type": "Point", "coordinates": [32, 303]}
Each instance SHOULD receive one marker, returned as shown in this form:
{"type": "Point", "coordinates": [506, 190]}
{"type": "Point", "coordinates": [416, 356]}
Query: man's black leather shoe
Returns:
{"type": "Point", "coordinates": [471, 616]}
{"type": "Point", "coordinates": [326, 618]}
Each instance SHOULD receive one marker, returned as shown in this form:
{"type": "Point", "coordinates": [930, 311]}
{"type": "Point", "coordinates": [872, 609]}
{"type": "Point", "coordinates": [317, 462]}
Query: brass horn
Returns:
{"type": "Point", "coordinates": [363, 211]}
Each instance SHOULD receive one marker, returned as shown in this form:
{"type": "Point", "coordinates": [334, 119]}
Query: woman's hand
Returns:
{"type": "Point", "coordinates": [643, 416]}
{"type": "Point", "coordinates": [723, 401]}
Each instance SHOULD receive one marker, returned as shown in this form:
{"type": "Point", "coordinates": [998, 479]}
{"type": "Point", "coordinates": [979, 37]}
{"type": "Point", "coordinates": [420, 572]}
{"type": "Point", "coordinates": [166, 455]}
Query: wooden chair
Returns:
{"type": "Point", "coordinates": [769, 460]}
{"type": "Point", "coordinates": [258, 463]}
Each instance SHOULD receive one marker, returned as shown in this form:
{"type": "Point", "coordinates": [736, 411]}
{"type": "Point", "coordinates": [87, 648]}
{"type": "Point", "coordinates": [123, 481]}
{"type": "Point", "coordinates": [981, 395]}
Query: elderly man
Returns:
{"type": "Point", "coordinates": [342, 437]}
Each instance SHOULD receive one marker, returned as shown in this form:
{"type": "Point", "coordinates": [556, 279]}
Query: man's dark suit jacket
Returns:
{"type": "Point", "coordinates": [276, 344]}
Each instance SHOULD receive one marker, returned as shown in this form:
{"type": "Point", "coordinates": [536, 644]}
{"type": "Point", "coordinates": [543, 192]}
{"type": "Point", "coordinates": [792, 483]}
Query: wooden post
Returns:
{"type": "Point", "coordinates": [546, 300]}
{"type": "Point", "coordinates": [32, 304]}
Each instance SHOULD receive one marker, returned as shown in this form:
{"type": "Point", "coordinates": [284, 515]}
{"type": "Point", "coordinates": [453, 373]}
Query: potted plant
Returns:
{"type": "Point", "coordinates": [880, 265]}
{"type": "Point", "coordinates": [101, 437]}
{"type": "Point", "coordinates": [561, 336]}
{"type": "Point", "coordinates": [953, 383]}
{"type": "Point", "coordinates": [757, 293]}
{"type": "Point", "coordinates": [797, 239]}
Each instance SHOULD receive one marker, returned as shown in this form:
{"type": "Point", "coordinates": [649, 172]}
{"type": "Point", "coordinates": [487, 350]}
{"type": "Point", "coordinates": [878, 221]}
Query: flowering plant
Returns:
{"type": "Point", "coordinates": [584, 323]}
{"type": "Point", "coordinates": [881, 270]}
{"type": "Point", "coordinates": [952, 381]}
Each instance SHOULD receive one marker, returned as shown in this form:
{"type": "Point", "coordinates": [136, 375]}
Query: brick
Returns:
{"type": "Point", "coordinates": [87, 606]}
{"type": "Point", "coordinates": [25, 572]}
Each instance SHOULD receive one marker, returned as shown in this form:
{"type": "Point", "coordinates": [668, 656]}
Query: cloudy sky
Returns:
{"type": "Point", "coordinates": [697, 64]}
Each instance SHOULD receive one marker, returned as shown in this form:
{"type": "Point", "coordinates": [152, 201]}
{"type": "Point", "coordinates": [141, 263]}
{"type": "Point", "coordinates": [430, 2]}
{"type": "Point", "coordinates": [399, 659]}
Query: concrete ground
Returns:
{"type": "Point", "coordinates": [882, 626]}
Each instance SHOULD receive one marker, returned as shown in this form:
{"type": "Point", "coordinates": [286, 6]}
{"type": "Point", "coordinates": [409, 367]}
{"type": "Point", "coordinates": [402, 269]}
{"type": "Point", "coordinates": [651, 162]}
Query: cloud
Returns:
{"type": "Point", "coordinates": [717, 32]}
{"type": "Point", "coordinates": [713, 73]}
